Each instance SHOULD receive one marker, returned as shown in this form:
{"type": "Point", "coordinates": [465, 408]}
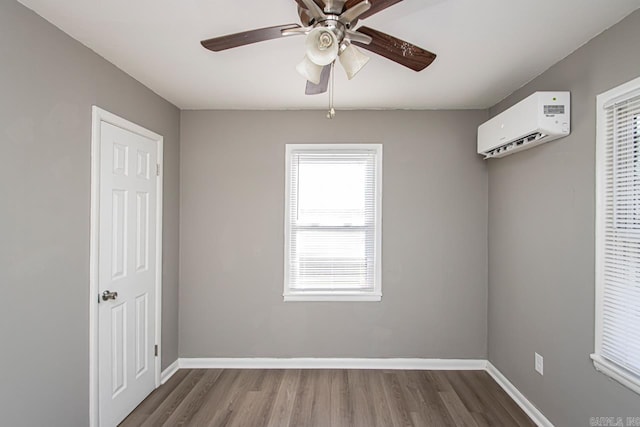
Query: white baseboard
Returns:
{"type": "Point", "coordinates": [168, 373]}
{"type": "Point", "coordinates": [524, 403]}
{"type": "Point", "coordinates": [333, 363]}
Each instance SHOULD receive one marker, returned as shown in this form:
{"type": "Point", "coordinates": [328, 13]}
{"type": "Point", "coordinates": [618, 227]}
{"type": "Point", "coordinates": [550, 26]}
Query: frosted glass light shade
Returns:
{"type": "Point", "coordinates": [353, 60]}
{"type": "Point", "coordinates": [309, 70]}
{"type": "Point", "coordinates": [322, 46]}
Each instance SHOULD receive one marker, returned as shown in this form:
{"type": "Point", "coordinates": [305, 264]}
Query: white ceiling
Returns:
{"type": "Point", "coordinates": [486, 49]}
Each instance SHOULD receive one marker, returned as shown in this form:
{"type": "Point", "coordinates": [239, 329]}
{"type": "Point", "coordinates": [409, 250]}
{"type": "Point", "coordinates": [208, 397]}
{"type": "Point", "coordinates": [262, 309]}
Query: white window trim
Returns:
{"type": "Point", "coordinates": [617, 94]}
{"type": "Point", "coordinates": [364, 296]}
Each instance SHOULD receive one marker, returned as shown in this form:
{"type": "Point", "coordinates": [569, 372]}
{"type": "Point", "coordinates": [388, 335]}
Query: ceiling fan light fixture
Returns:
{"type": "Point", "coordinates": [309, 70]}
{"type": "Point", "coordinates": [352, 60]}
{"type": "Point", "coordinates": [322, 46]}
{"type": "Point", "coordinates": [331, 27]}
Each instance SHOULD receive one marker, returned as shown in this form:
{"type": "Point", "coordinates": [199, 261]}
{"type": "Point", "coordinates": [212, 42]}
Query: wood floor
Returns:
{"type": "Point", "coordinates": [301, 398]}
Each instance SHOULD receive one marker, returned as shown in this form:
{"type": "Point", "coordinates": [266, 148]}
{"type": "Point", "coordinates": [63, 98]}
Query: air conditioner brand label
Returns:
{"type": "Point", "coordinates": [552, 110]}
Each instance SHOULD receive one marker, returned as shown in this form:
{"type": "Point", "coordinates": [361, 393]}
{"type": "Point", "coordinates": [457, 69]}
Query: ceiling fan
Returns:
{"type": "Point", "coordinates": [330, 28]}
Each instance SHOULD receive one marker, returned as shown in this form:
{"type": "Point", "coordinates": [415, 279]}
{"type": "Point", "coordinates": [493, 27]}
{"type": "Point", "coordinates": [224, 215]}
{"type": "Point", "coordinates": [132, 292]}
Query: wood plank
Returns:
{"type": "Point", "coordinates": [269, 388]}
{"type": "Point", "coordinates": [468, 397]}
{"type": "Point", "coordinates": [340, 409]}
{"type": "Point", "coordinates": [501, 398]}
{"type": "Point", "coordinates": [439, 380]}
{"type": "Point", "coordinates": [256, 405]}
{"type": "Point", "coordinates": [286, 394]}
{"type": "Point", "coordinates": [378, 399]}
{"type": "Point", "coordinates": [432, 408]}
{"type": "Point", "coordinates": [192, 403]}
{"type": "Point", "coordinates": [303, 404]}
{"type": "Point", "coordinates": [154, 400]}
{"type": "Point", "coordinates": [362, 414]}
{"type": "Point", "coordinates": [228, 404]}
{"type": "Point", "coordinates": [175, 398]}
{"type": "Point", "coordinates": [321, 409]}
{"type": "Point", "coordinates": [482, 421]}
{"type": "Point", "coordinates": [251, 403]}
{"type": "Point", "coordinates": [495, 415]}
{"type": "Point", "coordinates": [460, 414]}
{"type": "Point", "coordinates": [214, 397]}
{"type": "Point", "coordinates": [395, 399]}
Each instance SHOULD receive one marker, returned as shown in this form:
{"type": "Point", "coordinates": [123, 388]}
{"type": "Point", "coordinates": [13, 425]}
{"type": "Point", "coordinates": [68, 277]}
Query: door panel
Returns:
{"type": "Point", "coordinates": [142, 335]}
{"type": "Point", "coordinates": [126, 266]}
{"type": "Point", "coordinates": [142, 231]}
{"type": "Point", "coordinates": [119, 234]}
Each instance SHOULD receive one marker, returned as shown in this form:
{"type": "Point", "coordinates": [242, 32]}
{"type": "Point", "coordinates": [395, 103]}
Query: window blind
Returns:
{"type": "Point", "coordinates": [332, 220]}
{"type": "Point", "coordinates": [620, 240]}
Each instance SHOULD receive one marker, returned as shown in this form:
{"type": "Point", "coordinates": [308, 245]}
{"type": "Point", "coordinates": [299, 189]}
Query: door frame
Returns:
{"type": "Point", "coordinates": [99, 116]}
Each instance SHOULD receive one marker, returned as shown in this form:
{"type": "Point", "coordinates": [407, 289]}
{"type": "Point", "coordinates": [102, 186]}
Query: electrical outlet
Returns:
{"type": "Point", "coordinates": [539, 364]}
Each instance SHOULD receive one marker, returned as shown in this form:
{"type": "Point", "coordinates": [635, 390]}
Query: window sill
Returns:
{"type": "Point", "coordinates": [332, 297]}
{"type": "Point", "coordinates": [625, 378]}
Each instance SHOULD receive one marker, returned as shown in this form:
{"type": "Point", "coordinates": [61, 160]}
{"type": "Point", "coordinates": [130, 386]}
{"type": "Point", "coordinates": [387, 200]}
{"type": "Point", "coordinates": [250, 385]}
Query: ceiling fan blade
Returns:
{"type": "Point", "coordinates": [320, 3]}
{"type": "Point", "coordinates": [355, 36]}
{"type": "Point", "coordinates": [328, 6]}
{"type": "Point", "coordinates": [334, 6]}
{"type": "Point", "coordinates": [247, 37]}
{"type": "Point", "coordinates": [355, 12]}
{"type": "Point", "coordinates": [404, 53]}
{"type": "Point", "coordinates": [316, 89]}
{"type": "Point", "coordinates": [315, 10]}
{"type": "Point", "coordinates": [376, 6]}
{"type": "Point", "coordinates": [305, 17]}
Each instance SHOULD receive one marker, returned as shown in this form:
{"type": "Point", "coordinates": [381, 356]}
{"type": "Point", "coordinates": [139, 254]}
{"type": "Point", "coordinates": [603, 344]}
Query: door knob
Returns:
{"type": "Point", "coordinates": [107, 295]}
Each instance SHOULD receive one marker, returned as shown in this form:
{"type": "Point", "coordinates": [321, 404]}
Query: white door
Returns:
{"type": "Point", "coordinates": [127, 272]}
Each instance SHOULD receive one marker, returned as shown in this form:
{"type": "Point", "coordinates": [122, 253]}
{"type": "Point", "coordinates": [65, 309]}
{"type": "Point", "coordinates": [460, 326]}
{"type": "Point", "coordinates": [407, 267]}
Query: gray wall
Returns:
{"type": "Point", "coordinates": [434, 250]}
{"type": "Point", "coordinates": [541, 244]}
{"type": "Point", "coordinates": [48, 83]}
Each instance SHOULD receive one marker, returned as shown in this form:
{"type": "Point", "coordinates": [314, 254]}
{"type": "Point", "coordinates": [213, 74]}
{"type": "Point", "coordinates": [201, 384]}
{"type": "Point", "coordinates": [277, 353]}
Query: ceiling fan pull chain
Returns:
{"type": "Point", "coordinates": [332, 112]}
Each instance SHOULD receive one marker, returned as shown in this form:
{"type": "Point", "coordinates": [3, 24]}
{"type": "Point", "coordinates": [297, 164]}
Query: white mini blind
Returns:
{"type": "Point", "coordinates": [333, 220]}
{"type": "Point", "coordinates": [618, 334]}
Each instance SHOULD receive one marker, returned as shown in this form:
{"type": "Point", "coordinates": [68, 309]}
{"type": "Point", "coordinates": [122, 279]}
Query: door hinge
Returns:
{"type": "Point", "coordinates": [156, 350]}
{"type": "Point", "coordinates": [157, 169]}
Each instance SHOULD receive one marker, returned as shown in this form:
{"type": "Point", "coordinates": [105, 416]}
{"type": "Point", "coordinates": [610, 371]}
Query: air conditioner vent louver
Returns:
{"type": "Point", "coordinates": [503, 150]}
{"type": "Point", "coordinates": [539, 118]}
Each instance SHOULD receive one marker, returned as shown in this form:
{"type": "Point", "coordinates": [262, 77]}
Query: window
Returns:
{"type": "Point", "coordinates": [333, 222]}
{"type": "Point", "coordinates": [617, 347]}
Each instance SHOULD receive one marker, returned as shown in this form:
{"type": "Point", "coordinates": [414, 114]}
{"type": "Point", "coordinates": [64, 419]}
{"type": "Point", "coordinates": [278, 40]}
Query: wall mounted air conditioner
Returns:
{"type": "Point", "coordinates": [539, 118]}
